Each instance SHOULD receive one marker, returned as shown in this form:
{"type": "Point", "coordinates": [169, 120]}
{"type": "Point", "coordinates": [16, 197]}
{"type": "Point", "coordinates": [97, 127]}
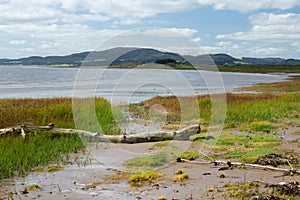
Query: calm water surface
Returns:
{"type": "Point", "coordinates": [118, 84]}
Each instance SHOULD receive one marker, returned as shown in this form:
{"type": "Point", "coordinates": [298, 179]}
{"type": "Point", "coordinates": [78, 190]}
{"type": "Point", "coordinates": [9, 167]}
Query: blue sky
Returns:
{"type": "Point", "coordinates": [256, 28]}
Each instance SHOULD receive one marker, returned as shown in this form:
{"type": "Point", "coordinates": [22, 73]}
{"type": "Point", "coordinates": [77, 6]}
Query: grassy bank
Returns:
{"type": "Point", "coordinates": [292, 85]}
{"type": "Point", "coordinates": [260, 68]}
{"type": "Point", "coordinates": [241, 108]}
{"type": "Point", "coordinates": [52, 110]}
{"type": "Point", "coordinates": [18, 155]}
{"type": "Point", "coordinates": [243, 147]}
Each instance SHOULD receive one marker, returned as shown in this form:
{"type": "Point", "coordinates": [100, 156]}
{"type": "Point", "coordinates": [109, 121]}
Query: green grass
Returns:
{"type": "Point", "coordinates": [58, 111]}
{"type": "Point", "coordinates": [244, 147]}
{"type": "Point", "coordinates": [18, 155]}
{"type": "Point", "coordinates": [148, 161]}
{"type": "Point", "coordinates": [260, 126]}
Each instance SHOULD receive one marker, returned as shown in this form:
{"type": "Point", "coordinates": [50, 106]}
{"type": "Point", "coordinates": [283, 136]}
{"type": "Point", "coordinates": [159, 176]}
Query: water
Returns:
{"type": "Point", "coordinates": [131, 85]}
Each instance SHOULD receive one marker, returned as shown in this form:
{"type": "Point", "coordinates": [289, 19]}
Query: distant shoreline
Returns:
{"type": "Point", "coordinates": [263, 69]}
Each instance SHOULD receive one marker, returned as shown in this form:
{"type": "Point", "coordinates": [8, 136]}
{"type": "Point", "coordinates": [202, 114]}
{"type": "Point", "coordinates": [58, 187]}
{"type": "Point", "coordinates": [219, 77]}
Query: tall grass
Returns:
{"type": "Point", "coordinates": [19, 155]}
{"type": "Point", "coordinates": [241, 108]}
{"type": "Point", "coordinates": [52, 110]}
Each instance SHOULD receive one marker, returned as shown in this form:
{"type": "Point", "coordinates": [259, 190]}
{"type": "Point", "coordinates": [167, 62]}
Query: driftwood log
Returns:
{"type": "Point", "coordinates": [183, 134]}
{"type": "Point", "coordinates": [229, 165]}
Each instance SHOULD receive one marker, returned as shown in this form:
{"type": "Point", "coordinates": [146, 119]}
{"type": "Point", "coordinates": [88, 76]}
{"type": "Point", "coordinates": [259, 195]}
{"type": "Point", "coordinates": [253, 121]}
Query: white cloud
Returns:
{"type": "Point", "coordinates": [122, 12]}
{"type": "Point", "coordinates": [53, 39]}
{"type": "Point", "coordinates": [246, 49]}
{"type": "Point", "coordinates": [269, 27]}
{"type": "Point", "coordinates": [197, 39]}
{"type": "Point", "coordinates": [59, 27]}
{"type": "Point", "coordinates": [170, 32]}
{"type": "Point", "coordinates": [249, 6]}
{"type": "Point", "coordinates": [17, 42]}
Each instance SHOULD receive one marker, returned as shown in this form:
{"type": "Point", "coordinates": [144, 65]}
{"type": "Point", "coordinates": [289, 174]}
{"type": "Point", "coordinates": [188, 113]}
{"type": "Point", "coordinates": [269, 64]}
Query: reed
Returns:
{"type": "Point", "coordinates": [18, 155]}
{"type": "Point", "coordinates": [53, 110]}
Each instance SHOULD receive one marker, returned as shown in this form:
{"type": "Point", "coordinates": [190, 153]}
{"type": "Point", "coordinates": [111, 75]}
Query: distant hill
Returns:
{"type": "Point", "coordinates": [211, 59]}
{"type": "Point", "coordinates": [121, 56]}
{"type": "Point", "coordinates": [149, 56]}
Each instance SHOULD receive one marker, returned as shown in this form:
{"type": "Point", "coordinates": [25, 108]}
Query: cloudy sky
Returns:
{"type": "Point", "coordinates": [257, 28]}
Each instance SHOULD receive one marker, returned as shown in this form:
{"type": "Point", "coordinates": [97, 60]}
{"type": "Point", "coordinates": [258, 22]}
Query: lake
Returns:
{"type": "Point", "coordinates": [131, 85]}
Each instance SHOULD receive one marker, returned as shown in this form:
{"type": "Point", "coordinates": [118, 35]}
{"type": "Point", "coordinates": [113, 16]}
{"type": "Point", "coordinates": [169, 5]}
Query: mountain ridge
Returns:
{"type": "Point", "coordinates": [124, 55]}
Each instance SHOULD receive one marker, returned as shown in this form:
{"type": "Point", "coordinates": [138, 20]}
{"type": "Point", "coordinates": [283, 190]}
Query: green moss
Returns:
{"type": "Point", "coordinates": [141, 178]}
{"type": "Point", "coordinates": [180, 178]}
{"type": "Point", "coordinates": [190, 155]}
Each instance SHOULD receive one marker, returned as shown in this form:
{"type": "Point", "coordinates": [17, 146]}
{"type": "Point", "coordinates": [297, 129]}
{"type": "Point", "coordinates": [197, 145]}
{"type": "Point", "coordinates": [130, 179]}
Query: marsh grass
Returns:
{"type": "Point", "coordinates": [244, 147]}
{"type": "Point", "coordinates": [55, 110]}
{"type": "Point", "coordinates": [260, 126]}
{"type": "Point", "coordinates": [241, 108]}
{"type": "Point", "coordinates": [18, 155]}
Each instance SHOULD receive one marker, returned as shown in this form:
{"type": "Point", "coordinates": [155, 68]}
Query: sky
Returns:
{"type": "Point", "coordinates": [241, 28]}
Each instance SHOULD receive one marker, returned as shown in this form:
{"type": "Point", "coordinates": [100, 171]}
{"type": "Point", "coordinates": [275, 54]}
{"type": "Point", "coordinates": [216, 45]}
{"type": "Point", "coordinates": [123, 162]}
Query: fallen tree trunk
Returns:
{"type": "Point", "coordinates": [182, 134]}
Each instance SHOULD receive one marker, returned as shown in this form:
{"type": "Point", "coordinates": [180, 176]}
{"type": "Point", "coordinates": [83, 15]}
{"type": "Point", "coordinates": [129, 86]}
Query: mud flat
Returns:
{"type": "Point", "coordinates": [102, 174]}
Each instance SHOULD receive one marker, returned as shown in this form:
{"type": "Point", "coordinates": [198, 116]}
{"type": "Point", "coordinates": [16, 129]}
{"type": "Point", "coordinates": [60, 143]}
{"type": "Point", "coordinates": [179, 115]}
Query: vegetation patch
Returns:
{"type": "Point", "coordinates": [148, 161]}
{"type": "Point", "coordinates": [244, 147]}
{"type": "Point", "coordinates": [241, 190]}
{"type": "Point", "coordinates": [162, 143]}
{"type": "Point", "coordinates": [251, 190]}
{"type": "Point", "coordinates": [180, 177]}
{"type": "Point", "coordinates": [30, 188]}
{"type": "Point", "coordinates": [18, 155]}
{"type": "Point", "coordinates": [54, 168]}
{"type": "Point", "coordinates": [59, 111]}
{"type": "Point", "coordinates": [141, 178]}
{"type": "Point", "coordinates": [259, 126]}
{"type": "Point", "coordinates": [190, 155]}
{"type": "Point", "coordinates": [241, 108]}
